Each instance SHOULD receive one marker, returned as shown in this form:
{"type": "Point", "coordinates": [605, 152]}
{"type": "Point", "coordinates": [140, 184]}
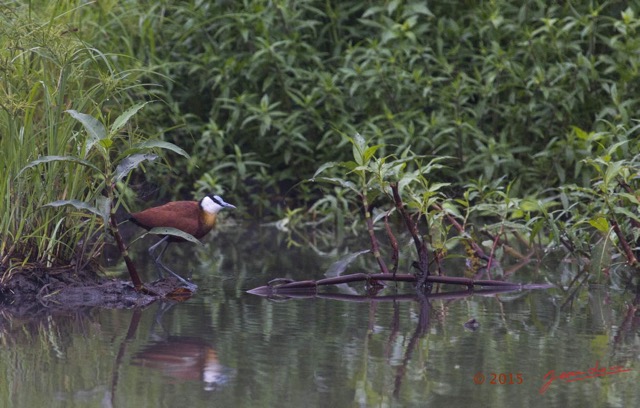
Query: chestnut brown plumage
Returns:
{"type": "Point", "coordinates": [193, 217]}
{"type": "Point", "coordinates": [183, 215]}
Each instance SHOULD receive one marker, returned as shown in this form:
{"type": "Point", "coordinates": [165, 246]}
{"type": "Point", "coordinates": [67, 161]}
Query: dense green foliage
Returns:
{"type": "Point", "coordinates": [46, 70]}
{"type": "Point", "coordinates": [264, 90]}
{"type": "Point", "coordinates": [532, 104]}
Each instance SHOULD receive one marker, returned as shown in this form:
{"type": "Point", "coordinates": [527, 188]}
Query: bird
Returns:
{"type": "Point", "coordinates": [185, 359]}
{"type": "Point", "coordinates": [193, 217]}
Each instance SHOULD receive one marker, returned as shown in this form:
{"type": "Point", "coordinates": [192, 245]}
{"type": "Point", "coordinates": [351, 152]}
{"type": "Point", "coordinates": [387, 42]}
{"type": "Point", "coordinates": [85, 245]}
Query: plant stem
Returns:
{"type": "Point", "coordinates": [493, 250]}
{"type": "Point", "coordinates": [631, 258]}
{"type": "Point", "coordinates": [135, 278]}
{"type": "Point", "coordinates": [476, 248]}
{"type": "Point", "coordinates": [421, 246]}
{"type": "Point", "coordinates": [375, 248]}
{"type": "Point", "coordinates": [395, 257]}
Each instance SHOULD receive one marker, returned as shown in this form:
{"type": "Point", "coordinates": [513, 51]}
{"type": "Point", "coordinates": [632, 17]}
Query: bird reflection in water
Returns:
{"type": "Point", "coordinates": [185, 359]}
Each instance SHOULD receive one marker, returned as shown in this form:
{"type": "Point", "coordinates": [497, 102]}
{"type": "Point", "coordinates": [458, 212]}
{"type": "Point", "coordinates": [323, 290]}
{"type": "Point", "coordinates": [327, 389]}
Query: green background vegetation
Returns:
{"type": "Point", "coordinates": [530, 108]}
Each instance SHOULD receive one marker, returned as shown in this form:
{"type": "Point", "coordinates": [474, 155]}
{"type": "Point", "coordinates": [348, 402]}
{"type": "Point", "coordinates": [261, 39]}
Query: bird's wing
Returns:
{"type": "Point", "coordinates": [183, 215]}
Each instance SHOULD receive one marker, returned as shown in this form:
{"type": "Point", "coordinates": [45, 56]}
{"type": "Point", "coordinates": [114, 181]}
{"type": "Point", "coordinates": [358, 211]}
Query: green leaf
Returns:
{"type": "Point", "coordinates": [378, 215]}
{"type": "Point", "coordinates": [615, 146]}
{"type": "Point", "coordinates": [79, 205]}
{"type": "Point", "coordinates": [418, 8]}
{"type": "Point", "coordinates": [106, 143]}
{"type": "Point", "coordinates": [372, 11]}
{"type": "Point", "coordinates": [359, 147]}
{"type": "Point", "coordinates": [94, 128]}
{"type": "Point", "coordinates": [529, 205]}
{"type": "Point", "coordinates": [323, 168]}
{"type": "Point", "coordinates": [613, 170]}
{"type": "Point", "coordinates": [349, 165]}
{"type": "Point", "coordinates": [516, 214]}
{"type": "Point", "coordinates": [49, 159]}
{"type": "Point", "coordinates": [103, 204]}
{"type": "Point", "coordinates": [392, 6]}
{"type": "Point", "coordinates": [632, 198]}
{"type": "Point", "coordinates": [174, 232]}
{"type": "Point", "coordinates": [438, 186]}
{"type": "Point", "coordinates": [125, 116]}
{"type": "Point", "coordinates": [338, 181]}
{"type": "Point", "coordinates": [450, 208]}
{"type": "Point", "coordinates": [368, 153]}
{"type": "Point", "coordinates": [151, 144]}
{"type": "Point", "coordinates": [629, 214]}
{"type": "Point", "coordinates": [130, 163]}
{"type": "Point", "coordinates": [600, 223]}
{"type": "Point", "coordinates": [581, 134]}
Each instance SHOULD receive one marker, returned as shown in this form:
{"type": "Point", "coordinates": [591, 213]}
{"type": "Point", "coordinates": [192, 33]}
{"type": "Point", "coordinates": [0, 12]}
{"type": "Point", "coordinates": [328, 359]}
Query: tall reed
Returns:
{"type": "Point", "coordinates": [46, 69]}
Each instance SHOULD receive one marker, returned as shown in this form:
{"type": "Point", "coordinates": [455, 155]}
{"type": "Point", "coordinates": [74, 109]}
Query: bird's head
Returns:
{"type": "Point", "coordinates": [213, 204]}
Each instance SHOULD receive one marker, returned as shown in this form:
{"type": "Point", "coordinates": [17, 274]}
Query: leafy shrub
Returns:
{"type": "Point", "coordinates": [261, 91]}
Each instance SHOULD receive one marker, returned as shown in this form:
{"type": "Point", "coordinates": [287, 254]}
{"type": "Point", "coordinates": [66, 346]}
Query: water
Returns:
{"type": "Point", "coordinates": [227, 348]}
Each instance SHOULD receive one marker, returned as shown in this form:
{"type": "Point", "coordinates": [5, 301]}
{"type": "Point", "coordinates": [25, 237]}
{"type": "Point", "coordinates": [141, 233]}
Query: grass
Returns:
{"type": "Point", "coordinates": [48, 70]}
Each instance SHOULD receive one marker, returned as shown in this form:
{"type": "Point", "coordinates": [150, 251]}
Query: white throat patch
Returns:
{"type": "Point", "coordinates": [211, 206]}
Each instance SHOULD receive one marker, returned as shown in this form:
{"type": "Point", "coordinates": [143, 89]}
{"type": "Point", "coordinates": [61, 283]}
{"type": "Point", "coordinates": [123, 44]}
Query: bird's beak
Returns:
{"type": "Point", "coordinates": [227, 205]}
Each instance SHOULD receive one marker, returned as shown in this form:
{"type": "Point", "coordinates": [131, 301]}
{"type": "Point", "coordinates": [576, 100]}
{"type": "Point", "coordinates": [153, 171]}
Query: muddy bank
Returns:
{"type": "Point", "coordinates": [34, 291]}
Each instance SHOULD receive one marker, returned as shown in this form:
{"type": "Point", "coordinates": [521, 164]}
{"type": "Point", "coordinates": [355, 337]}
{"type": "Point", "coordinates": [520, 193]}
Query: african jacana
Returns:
{"type": "Point", "coordinates": [185, 359]}
{"type": "Point", "coordinates": [193, 217]}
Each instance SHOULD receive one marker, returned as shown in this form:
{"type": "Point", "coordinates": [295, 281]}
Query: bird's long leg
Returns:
{"type": "Point", "coordinates": [156, 259]}
{"type": "Point", "coordinates": [157, 244]}
{"type": "Point", "coordinates": [162, 266]}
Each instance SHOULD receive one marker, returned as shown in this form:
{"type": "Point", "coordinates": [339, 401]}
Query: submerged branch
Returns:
{"type": "Point", "coordinates": [287, 287]}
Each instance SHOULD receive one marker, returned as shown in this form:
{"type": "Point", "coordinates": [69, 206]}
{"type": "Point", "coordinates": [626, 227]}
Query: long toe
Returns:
{"type": "Point", "coordinates": [190, 285]}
